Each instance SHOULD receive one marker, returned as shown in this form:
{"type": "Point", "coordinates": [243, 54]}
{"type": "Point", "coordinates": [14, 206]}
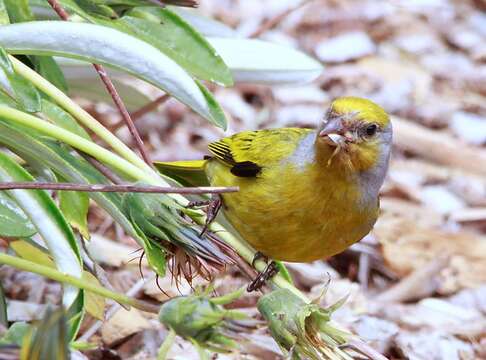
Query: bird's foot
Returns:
{"type": "Point", "coordinates": [270, 271]}
{"type": "Point", "coordinates": [259, 256]}
{"type": "Point", "coordinates": [212, 209]}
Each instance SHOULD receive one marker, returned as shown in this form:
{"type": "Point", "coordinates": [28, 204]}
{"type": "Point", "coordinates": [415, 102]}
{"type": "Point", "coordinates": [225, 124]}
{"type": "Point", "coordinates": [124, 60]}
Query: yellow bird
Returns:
{"type": "Point", "coordinates": [304, 194]}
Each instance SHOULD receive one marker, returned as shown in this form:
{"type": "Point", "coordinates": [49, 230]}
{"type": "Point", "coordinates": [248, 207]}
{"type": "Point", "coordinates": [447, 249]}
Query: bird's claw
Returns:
{"type": "Point", "coordinates": [212, 209]}
{"type": "Point", "coordinates": [259, 256]}
{"type": "Point", "coordinates": [270, 271]}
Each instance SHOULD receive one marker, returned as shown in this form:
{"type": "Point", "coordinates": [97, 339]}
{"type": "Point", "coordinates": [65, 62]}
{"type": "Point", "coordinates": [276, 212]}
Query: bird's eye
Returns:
{"type": "Point", "coordinates": [370, 130]}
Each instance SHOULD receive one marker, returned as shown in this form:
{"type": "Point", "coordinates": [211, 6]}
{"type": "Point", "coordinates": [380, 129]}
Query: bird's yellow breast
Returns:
{"type": "Point", "coordinates": [295, 213]}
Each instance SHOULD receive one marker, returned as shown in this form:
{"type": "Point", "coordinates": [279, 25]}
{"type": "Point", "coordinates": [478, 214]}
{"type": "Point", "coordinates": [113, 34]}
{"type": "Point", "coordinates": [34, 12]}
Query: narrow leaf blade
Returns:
{"type": "Point", "coordinates": [100, 44]}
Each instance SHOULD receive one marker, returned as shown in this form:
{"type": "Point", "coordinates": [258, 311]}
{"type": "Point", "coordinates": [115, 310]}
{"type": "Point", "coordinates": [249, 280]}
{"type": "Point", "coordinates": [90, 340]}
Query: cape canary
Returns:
{"type": "Point", "coordinates": [304, 194]}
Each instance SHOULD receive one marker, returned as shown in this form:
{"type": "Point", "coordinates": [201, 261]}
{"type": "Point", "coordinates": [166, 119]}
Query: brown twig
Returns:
{"type": "Point", "coordinates": [123, 112]}
{"type": "Point", "coordinates": [150, 106]}
{"type": "Point", "coordinates": [116, 188]}
{"type": "Point", "coordinates": [272, 22]}
{"type": "Point", "coordinates": [110, 175]}
{"type": "Point", "coordinates": [59, 9]}
{"type": "Point", "coordinates": [143, 110]}
{"type": "Point", "coordinates": [112, 91]}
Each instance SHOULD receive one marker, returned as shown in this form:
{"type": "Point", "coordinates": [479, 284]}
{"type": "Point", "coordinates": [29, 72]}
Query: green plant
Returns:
{"type": "Point", "coordinates": [46, 130]}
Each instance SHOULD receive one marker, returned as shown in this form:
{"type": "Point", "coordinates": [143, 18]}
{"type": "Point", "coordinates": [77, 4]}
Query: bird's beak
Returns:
{"type": "Point", "coordinates": [333, 132]}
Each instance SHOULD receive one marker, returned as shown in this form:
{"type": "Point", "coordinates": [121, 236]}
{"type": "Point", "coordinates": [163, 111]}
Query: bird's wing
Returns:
{"type": "Point", "coordinates": [250, 151]}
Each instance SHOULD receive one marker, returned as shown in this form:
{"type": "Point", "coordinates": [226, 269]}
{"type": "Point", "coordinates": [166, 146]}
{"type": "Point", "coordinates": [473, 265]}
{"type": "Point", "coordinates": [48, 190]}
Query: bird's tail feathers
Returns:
{"type": "Point", "coordinates": [187, 173]}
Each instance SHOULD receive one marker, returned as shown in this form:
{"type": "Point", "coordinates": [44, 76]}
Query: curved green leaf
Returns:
{"type": "Point", "coordinates": [13, 221]}
{"type": "Point", "coordinates": [49, 222]}
{"type": "Point", "coordinates": [258, 61]}
{"type": "Point", "coordinates": [59, 116]}
{"type": "Point", "coordinates": [100, 44]}
{"type": "Point", "coordinates": [55, 231]}
{"type": "Point", "coordinates": [205, 25]}
{"type": "Point", "coordinates": [73, 168]}
{"type": "Point", "coordinates": [169, 33]}
{"type": "Point", "coordinates": [74, 205]}
{"type": "Point", "coordinates": [25, 93]}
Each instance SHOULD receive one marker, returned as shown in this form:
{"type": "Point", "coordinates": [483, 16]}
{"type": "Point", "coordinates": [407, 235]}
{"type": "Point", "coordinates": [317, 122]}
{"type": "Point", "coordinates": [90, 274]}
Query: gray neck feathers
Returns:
{"type": "Point", "coordinates": [371, 180]}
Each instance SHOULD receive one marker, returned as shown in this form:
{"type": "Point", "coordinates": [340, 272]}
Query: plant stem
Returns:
{"type": "Point", "coordinates": [53, 274]}
{"type": "Point", "coordinates": [150, 106]}
{"type": "Point", "coordinates": [117, 188]}
{"type": "Point", "coordinates": [78, 142]}
{"type": "Point", "coordinates": [80, 114]}
{"type": "Point", "coordinates": [166, 345]}
{"type": "Point", "coordinates": [111, 90]}
{"type": "Point", "coordinates": [123, 112]}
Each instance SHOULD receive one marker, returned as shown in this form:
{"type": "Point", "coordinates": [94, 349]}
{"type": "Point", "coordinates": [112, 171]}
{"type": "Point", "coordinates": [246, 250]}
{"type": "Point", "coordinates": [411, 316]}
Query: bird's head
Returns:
{"type": "Point", "coordinates": [358, 133]}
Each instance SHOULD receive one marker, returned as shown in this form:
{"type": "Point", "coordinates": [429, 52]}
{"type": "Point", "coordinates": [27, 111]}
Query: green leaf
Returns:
{"type": "Point", "coordinates": [217, 114]}
{"type": "Point", "coordinates": [282, 270]}
{"type": "Point", "coordinates": [6, 99]}
{"type": "Point", "coordinates": [177, 39]}
{"type": "Point", "coordinates": [60, 117]}
{"type": "Point", "coordinates": [73, 168]}
{"type": "Point", "coordinates": [5, 62]}
{"type": "Point", "coordinates": [34, 253]}
{"type": "Point", "coordinates": [74, 205]}
{"type": "Point", "coordinates": [95, 7]}
{"type": "Point", "coordinates": [25, 93]}
{"type": "Point", "coordinates": [15, 334]}
{"type": "Point", "coordinates": [4, 19]}
{"type": "Point", "coordinates": [30, 251]}
{"type": "Point", "coordinates": [263, 62]}
{"type": "Point", "coordinates": [95, 304]}
{"type": "Point", "coordinates": [18, 10]}
{"type": "Point", "coordinates": [49, 339]}
{"type": "Point", "coordinates": [3, 308]}
{"type": "Point", "coordinates": [50, 70]}
{"type": "Point", "coordinates": [50, 224]}
{"type": "Point", "coordinates": [13, 221]}
{"type": "Point", "coordinates": [205, 25]}
{"type": "Point", "coordinates": [100, 44]}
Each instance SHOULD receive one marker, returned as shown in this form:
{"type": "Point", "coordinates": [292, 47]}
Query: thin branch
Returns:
{"type": "Point", "coordinates": [123, 112]}
{"type": "Point", "coordinates": [272, 22]}
{"type": "Point", "coordinates": [110, 175]}
{"type": "Point", "coordinates": [150, 106]}
{"type": "Point", "coordinates": [116, 188]}
{"type": "Point", "coordinates": [143, 110]}
{"type": "Point", "coordinates": [112, 91]}
{"type": "Point", "coordinates": [59, 9]}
